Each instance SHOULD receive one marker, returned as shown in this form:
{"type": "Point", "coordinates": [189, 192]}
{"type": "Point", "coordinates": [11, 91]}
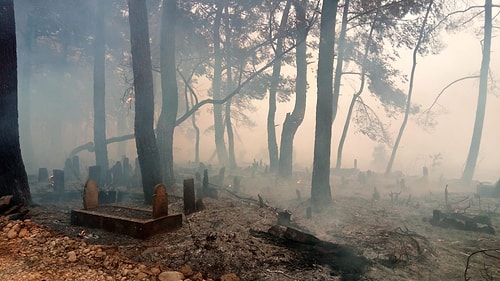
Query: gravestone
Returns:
{"type": "Point", "coordinates": [160, 202]}
{"type": "Point", "coordinates": [189, 197]}
{"type": "Point", "coordinates": [58, 182]}
{"type": "Point", "coordinates": [68, 170]}
{"type": "Point", "coordinates": [95, 174]}
{"type": "Point", "coordinates": [76, 166]}
{"type": "Point", "coordinates": [117, 174]}
{"type": "Point", "coordinates": [90, 194]}
{"type": "Point", "coordinates": [43, 175]}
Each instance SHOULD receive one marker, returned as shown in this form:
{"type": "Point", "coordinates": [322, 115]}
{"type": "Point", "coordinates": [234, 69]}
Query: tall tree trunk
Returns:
{"type": "Point", "coordinates": [340, 59]}
{"type": "Point", "coordinates": [358, 93]}
{"type": "Point", "coordinates": [220, 145]}
{"type": "Point", "coordinates": [410, 91]}
{"type": "Point", "coordinates": [13, 178]}
{"type": "Point", "coordinates": [272, 143]}
{"type": "Point", "coordinates": [229, 86]}
{"type": "Point", "coordinates": [230, 137]}
{"type": "Point", "coordinates": [147, 150]}
{"type": "Point", "coordinates": [321, 194]}
{"type": "Point", "coordinates": [293, 121]}
{"type": "Point", "coordinates": [470, 165]}
{"type": "Point", "coordinates": [101, 151]}
{"type": "Point", "coordinates": [166, 122]}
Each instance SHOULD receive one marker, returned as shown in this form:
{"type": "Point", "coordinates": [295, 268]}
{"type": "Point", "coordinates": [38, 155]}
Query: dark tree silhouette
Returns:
{"type": "Point", "coordinates": [170, 95]}
{"type": "Point", "coordinates": [321, 194]}
{"type": "Point", "coordinates": [470, 165]}
{"type": "Point", "coordinates": [147, 150]}
{"type": "Point", "coordinates": [293, 120]}
{"type": "Point", "coordinates": [13, 178]}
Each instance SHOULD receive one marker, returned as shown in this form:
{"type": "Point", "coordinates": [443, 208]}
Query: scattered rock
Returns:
{"type": "Point", "coordinates": [171, 276]}
{"type": "Point", "coordinates": [229, 277]}
{"type": "Point", "coordinates": [71, 256]}
{"type": "Point", "coordinates": [12, 234]}
{"type": "Point", "coordinates": [141, 276]}
{"type": "Point", "coordinates": [187, 270]}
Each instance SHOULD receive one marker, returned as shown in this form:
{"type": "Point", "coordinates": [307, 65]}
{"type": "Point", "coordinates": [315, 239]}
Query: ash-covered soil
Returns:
{"type": "Point", "coordinates": [367, 234]}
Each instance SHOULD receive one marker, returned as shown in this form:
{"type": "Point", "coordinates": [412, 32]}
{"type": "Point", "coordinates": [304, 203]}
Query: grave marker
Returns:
{"type": "Point", "coordinates": [160, 202]}
{"type": "Point", "coordinates": [90, 194]}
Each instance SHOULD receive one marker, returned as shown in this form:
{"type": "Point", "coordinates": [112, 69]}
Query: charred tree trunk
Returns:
{"type": "Point", "coordinates": [101, 150]}
{"type": "Point", "coordinates": [13, 178]}
{"type": "Point", "coordinates": [410, 91]}
{"type": "Point", "coordinates": [293, 121]}
{"type": "Point", "coordinates": [145, 139]}
{"type": "Point", "coordinates": [170, 100]}
{"type": "Point", "coordinates": [229, 86]}
{"type": "Point", "coordinates": [470, 165]}
{"type": "Point", "coordinates": [321, 194]}
{"type": "Point", "coordinates": [216, 91]}
{"type": "Point", "coordinates": [272, 143]}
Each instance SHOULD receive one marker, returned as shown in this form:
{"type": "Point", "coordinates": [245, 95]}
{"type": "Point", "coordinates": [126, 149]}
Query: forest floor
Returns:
{"type": "Point", "coordinates": [364, 235]}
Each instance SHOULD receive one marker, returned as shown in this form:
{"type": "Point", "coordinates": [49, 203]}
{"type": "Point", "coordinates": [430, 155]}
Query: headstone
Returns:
{"type": "Point", "coordinates": [43, 175]}
{"type": "Point", "coordinates": [220, 181]}
{"type": "Point", "coordinates": [68, 170]}
{"type": "Point", "coordinates": [160, 202]}
{"type": "Point", "coordinates": [58, 182]}
{"type": "Point", "coordinates": [236, 183]}
{"type": "Point", "coordinates": [189, 197]}
{"type": "Point", "coordinates": [284, 218]}
{"type": "Point", "coordinates": [205, 178]}
{"type": "Point", "coordinates": [90, 194]}
{"type": "Point", "coordinates": [76, 166]}
{"type": "Point", "coordinates": [127, 171]}
{"type": "Point", "coordinates": [95, 174]}
{"type": "Point", "coordinates": [117, 174]}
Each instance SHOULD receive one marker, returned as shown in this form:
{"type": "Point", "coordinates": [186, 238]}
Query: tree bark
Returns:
{"type": "Point", "coordinates": [145, 139]}
{"type": "Point", "coordinates": [410, 91]}
{"type": "Point", "coordinates": [170, 97]}
{"type": "Point", "coordinates": [321, 194]}
{"type": "Point", "coordinates": [272, 143]}
{"type": "Point", "coordinates": [293, 121]}
{"type": "Point", "coordinates": [101, 150]}
{"type": "Point", "coordinates": [229, 85]}
{"type": "Point", "coordinates": [13, 178]}
{"type": "Point", "coordinates": [216, 91]}
{"type": "Point", "coordinates": [470, 164]}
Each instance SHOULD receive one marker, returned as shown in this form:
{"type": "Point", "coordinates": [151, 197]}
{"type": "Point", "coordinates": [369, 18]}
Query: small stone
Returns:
{"type": "Point", "coordinates": [12, 234]}
{"type": "Point", "coordinates": [72, 256]}
{"type": "Point", "coordinates": [155, 271]}
{"type": "Point", "coordinates": [141, 275]}
{"type": "Point", "coordinates": [197, 277]}
{"type": "Point", "coordinates": [186, 270]}
{"type": "Point", "coordinates": [22, 232]}
{"type": "Point", "coordinates": [171, 276]}
{"type": "Point", "coordinates": [229, 277]}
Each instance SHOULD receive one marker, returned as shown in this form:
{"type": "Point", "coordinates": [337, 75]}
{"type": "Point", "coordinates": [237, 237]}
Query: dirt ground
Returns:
{"type": "Point", "coordinates": [367, 234]}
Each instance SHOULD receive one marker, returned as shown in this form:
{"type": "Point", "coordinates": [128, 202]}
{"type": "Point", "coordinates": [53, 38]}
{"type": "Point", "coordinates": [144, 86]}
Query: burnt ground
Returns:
{"type": "Point", "coordinates": [362, 236]}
